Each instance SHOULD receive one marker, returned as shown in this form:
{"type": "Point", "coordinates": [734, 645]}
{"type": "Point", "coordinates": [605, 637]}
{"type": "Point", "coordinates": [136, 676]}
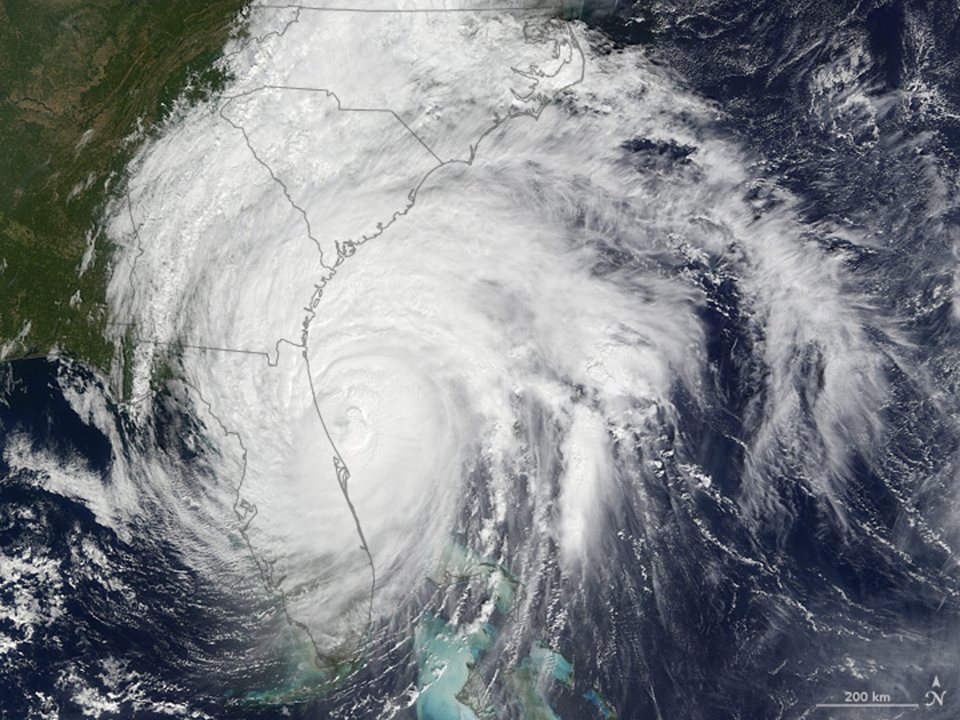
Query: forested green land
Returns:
{"type": "Point", "coordinates": [82, 83]}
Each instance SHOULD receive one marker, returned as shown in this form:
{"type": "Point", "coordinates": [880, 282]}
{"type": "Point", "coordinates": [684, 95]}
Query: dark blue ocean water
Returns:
{"type": "Point", "coordinates": [101, 615]}
{"type": "Point", "coordinates": [124, 624]}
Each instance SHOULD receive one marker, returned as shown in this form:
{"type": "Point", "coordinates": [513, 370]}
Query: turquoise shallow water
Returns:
{"type": "Point", "coordinates": [445, 658]}
{"type": "Point", "coordinates": [448, 653]}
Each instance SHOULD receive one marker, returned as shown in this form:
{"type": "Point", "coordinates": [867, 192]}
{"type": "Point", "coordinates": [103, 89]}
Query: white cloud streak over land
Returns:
{"type": "Point", "coordinates": [480, 326]}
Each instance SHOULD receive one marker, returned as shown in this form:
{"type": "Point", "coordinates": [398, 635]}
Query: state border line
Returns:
{"type": "Point", "coordinates": [538, 102]}
{"type": "Point", "coordinates": [409, 11]}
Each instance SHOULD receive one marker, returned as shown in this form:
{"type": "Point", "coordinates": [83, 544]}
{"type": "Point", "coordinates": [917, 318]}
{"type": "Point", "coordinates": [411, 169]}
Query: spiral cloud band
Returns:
{"type": "Point", "coordinates": [443, 276]}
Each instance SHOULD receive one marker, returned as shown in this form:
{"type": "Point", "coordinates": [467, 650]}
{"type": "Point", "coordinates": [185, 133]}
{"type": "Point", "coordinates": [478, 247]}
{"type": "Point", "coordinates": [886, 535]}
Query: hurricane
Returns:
{"type": "Point", "coordinates": [505, 380]}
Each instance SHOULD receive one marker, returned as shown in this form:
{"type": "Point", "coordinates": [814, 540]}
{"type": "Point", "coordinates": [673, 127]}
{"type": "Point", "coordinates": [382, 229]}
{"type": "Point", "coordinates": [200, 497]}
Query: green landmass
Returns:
{"type": "Point", "coordinates": [82, 84]}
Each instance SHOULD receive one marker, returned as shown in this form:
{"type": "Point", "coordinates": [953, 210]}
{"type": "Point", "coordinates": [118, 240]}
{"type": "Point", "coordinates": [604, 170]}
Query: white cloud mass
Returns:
{"type": "Point", "coordinates": [428, 225]}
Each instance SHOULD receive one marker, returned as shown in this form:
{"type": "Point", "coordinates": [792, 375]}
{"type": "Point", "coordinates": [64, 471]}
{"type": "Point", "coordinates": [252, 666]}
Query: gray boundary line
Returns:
{"type": "Point", "coordinates": [272, 360]}
{"type": "Point", "coordinates": [278, 181]}
{"type": "Point", "coordinates": [245, 513]}
{"type": "Point", "coordinates": [409, 11]}
{"type": "Point", "coordinates": [345, 250]}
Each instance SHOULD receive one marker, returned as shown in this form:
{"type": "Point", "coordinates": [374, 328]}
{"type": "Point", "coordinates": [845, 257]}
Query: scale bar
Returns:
{"type": "Point", "coordinates": [867, 705]}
